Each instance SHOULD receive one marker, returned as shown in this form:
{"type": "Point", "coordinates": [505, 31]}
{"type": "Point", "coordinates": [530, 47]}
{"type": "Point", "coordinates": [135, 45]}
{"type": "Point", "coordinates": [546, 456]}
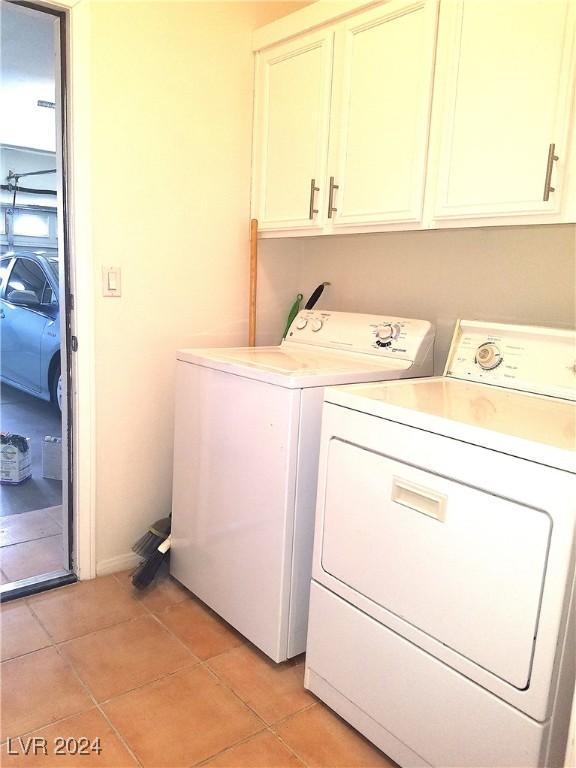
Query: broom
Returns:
{"type": "Point", "coordinates": [144, 575]}
{"type": "Point", "coordinates": [154, 536]}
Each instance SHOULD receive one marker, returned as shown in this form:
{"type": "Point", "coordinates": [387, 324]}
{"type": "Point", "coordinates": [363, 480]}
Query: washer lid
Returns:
{"type": "Point", "coordinates": [296, 366]}
{"type": "Point", "coordinates": [534, 427]}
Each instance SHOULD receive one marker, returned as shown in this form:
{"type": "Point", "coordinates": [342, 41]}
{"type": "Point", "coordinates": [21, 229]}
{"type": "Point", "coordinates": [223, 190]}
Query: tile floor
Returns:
{"type": "Point", "coordinates": [31, 544]}
{"type": "Point", "coordinates": [161, 681]}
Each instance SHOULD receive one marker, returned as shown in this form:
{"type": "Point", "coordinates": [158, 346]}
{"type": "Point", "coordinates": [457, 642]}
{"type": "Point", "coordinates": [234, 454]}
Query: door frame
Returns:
{"type": "Point", "coordinates": [75, 234]}
{"type": "Point", "coordinates": [77, 197]}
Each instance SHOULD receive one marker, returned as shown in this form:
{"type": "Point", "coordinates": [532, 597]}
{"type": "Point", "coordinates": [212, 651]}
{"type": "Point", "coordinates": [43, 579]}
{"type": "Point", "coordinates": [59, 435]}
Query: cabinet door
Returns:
{"type": "Point", "coordinates": [291, 132]}
{"type": "Point", "coordinates": [384, 63]}
{"type": "Point", "coordinates": [504, 81]}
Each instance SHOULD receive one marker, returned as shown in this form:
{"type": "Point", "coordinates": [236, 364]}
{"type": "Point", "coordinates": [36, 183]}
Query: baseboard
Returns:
{"type": "Point", "coordinates": [118, 563]}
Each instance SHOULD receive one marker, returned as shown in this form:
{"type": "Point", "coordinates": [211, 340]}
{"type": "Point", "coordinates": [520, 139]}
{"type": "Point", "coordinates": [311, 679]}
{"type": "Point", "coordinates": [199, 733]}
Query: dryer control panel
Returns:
{"type": "Point", "coordinates": [524, 357]}
{"type": "Point", "coordinates": [398, 338]}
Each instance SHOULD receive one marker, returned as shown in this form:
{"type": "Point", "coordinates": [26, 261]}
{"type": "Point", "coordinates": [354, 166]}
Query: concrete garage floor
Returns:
{"type": "Point", "coordinates": [31, 544]}
{"type": "Point", "coordinates": [31, 513]}
{"type": "Point", "coordinates": [25, 415]}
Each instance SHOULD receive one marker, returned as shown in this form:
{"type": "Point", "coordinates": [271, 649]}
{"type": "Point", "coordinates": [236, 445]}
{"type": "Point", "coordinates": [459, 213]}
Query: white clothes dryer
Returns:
{"type": "Point", "coordinates": [247, 433]}
{"type": "Point", "coordinates": [442, 608]}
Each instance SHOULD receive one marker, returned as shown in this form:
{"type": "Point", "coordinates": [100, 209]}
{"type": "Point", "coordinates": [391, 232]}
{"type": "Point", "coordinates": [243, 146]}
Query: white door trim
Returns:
{"type": "Point", "coordinates": [82, 284]}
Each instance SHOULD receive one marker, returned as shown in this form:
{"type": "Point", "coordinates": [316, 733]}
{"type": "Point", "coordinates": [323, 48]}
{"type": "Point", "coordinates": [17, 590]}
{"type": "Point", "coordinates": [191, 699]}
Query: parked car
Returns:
{"type": "Point", "coordinates": [30, 325]}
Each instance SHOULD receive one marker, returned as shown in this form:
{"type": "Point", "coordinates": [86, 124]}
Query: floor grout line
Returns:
{"type": "Point", "coordinates": [49, 511]}
{"type": "Point", "coordinates": [50, 644]}
{"type": "Point", "coordinates": [86, 634]}
{"type": "Point", "coordinates": [282, 720]}
{"type": "Point", "coordinates": [35, 538]}
{"type": "Point", "coordinates": [148, 682]}
{"type": "Point", "coordinates": [268, 726]}
{"type": "Point", "coordinates": [194, 661]}
{"type": "Point", "coordinates": [172, 634]}
{"type": "Point", "coordinates": [267, 729]}
{"type": "Point", "coordinates": [87, 691]}
{"type": "Point", "coordinates": [100, 709]}
{"type": "Point", "coordinates": [104, 628]}
{"type": "Point", "coordinates": [292, 751]}
{"type": "Point", "coordinates": [45, 725]}
{"type": "Point", "coordinates": [169, 630]}
{"type": "Point", "coordinates": [85, 687]}
{"type": "Point", "coordinates": [206, 760]}
{"type": "Point", "coordinates": [285, 743]}
{"type": "Point", "coordinates": [204, 663]}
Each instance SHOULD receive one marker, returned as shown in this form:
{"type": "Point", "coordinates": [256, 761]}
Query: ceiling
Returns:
{"type": "Point", "coordinates": [27, 67]}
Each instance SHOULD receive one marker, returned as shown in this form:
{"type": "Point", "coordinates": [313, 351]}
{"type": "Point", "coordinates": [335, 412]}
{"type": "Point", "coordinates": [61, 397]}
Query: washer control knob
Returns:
{"type": "Point", "coordinates": [316, 324]}
{"type": "Point", "coordinates": [384, 332]}
{"type": "Point", "coordinates": [488, 356]}
{"type": "Point", "coordinates": [301, 323]}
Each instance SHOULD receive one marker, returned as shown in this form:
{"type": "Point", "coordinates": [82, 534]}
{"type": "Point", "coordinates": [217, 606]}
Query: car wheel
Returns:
{"type": "Point", "coordinates": [56, 387]}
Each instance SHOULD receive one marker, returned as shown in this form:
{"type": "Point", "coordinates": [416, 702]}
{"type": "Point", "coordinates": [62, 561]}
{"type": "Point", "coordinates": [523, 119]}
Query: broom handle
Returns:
{"type": "Point", "coordinates": [253, 281]}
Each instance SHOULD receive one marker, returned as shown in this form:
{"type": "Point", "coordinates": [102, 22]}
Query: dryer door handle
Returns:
{"type": "Point", "coordinates": [420, 499]}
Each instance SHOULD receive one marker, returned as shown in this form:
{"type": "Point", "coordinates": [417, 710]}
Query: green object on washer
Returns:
{"type": "Point", "coordinates": [294, 309]}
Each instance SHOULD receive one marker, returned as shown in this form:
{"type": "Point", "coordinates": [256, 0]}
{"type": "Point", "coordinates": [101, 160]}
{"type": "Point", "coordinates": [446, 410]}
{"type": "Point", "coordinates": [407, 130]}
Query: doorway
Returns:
{"type": "Point", "coordinates": [35, 413]}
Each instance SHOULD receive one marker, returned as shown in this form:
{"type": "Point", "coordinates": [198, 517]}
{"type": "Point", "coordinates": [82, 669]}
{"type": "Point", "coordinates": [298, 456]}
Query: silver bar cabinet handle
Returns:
{"type": "Point", "coordinates": [552, 156]}
{"type": "Point", "coordinates": [313, 189]}
{"type": "Point", "coordinates": [331, 208]}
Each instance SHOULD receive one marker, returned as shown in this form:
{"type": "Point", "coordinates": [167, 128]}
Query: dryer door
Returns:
{"type": "Point", "coordinates": [462, 565]}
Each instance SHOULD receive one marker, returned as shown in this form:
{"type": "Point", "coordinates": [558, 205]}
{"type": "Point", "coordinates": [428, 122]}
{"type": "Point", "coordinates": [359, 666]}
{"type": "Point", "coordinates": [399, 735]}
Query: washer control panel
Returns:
{"type": "Point", "coordinates": [529, 358]}
{"type": "Point", "coordinates": [395, 337]}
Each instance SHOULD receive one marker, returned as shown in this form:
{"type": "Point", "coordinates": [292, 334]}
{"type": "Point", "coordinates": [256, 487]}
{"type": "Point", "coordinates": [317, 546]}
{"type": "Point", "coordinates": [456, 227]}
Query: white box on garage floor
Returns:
{"type": "Point", "coordinates": [52, 458]}
{"type": "Point", "coordinates": [15, 461]}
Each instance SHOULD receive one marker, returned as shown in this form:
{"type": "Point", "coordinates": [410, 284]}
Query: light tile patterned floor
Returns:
{"type": "Point", "coordinates": [162, 681]}
{"type": "Point", "coordinates": [31, 544]}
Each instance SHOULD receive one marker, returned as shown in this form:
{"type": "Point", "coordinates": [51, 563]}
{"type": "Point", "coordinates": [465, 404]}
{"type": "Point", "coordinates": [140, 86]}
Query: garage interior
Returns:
{"type": "Point", "coordinates": [31, 523]}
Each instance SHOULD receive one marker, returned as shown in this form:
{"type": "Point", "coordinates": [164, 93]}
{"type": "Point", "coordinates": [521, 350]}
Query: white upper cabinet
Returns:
{"type": "Point", "coordinates": [503, 88]}
{"type": "Point", "coordinates": [411, 114]}
{"type": "Point", "coordinates": [292, 113]}
{"type": "Point", "coordinates": [384, 62]}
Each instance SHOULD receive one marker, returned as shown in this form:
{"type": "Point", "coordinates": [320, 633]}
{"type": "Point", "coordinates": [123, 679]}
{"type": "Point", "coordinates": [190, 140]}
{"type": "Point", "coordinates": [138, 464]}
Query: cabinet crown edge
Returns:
{"type": "Point", "coordinates": [307, 19]}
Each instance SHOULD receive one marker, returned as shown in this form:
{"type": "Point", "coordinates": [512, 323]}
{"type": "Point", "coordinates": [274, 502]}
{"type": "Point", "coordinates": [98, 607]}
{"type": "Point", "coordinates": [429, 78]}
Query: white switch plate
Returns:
{"type": "Point", "coordinates": [111, 281]}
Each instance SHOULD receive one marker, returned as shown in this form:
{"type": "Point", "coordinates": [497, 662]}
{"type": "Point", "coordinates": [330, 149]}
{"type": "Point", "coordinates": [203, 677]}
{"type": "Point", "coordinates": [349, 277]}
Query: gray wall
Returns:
{"type": "Point", "coordinates": [505, 274]}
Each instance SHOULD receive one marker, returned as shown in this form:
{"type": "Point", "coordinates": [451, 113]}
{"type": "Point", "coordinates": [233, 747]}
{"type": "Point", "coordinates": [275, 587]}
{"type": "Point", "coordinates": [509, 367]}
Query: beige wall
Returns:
{"type": "Point", "coordinates": [170, 123]}
{"type": "Point", "coordinates": [164, 161]}
{"type": "Point", "coordinates": [505, 274]}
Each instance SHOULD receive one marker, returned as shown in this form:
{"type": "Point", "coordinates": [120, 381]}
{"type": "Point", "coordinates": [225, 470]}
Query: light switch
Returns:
{"type": "Point", "coordinates": [111, 281]}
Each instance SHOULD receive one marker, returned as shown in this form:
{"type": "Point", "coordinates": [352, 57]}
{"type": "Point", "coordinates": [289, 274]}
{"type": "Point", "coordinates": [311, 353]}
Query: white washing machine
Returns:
{"type": "Point", "coordinates": [247, 436]}
{"type": "Point", "coordinates": [442, 613]}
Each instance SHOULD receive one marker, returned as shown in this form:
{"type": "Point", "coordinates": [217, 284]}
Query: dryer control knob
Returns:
{"type": "Point", "coordinates": [301, 323]}
{"type": "Point", "coordinates": [488, 356]}
{"type": "Point", "coordinates": [316, 324]}
{"type": "Point", "coordinates": [384, 331]}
